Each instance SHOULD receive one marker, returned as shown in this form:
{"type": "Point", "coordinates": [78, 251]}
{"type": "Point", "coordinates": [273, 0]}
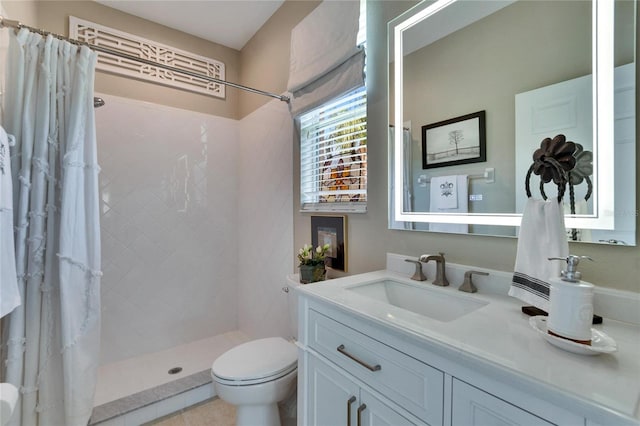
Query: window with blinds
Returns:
{"type": "Point", "coordinates": [333, 155]}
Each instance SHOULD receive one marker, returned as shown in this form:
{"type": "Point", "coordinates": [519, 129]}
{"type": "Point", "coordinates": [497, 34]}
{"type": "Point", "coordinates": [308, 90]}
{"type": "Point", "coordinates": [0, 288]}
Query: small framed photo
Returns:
{"type": "Point", "coordinates": [459, 140]}
{"type": "Point", "coordinates": [331, 230]}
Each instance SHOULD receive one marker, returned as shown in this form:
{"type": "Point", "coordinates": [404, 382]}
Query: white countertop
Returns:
{"type": "Point", "coordinates": [500, 336]}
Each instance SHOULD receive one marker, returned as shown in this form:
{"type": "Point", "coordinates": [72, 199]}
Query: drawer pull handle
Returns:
{"type": "Point", "coordinates": [349, 402]}
{"type": "Point", "coordinates": [360, 410]}
{"type": "Point", "coordinates": [342, 350]}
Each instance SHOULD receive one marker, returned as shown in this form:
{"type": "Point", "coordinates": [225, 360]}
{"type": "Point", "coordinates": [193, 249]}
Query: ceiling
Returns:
{"type": "Point", "coordinates": [228, 22]}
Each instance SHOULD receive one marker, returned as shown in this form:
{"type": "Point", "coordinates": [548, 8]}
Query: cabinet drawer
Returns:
{"type": "Point", "coordinates": [415, 386]}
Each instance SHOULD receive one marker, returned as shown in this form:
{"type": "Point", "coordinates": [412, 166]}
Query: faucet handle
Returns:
{"type": "Point", "coordinates": [467, 285]}
{"type": "Point", "coordinates": [418, 275]}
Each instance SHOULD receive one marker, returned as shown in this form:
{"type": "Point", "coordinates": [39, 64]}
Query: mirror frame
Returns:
{"type": "Point", "coordinates": [603, 94]}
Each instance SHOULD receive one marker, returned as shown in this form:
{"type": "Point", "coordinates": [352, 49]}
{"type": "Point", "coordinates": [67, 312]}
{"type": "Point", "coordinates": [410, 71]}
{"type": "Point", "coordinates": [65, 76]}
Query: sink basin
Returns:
{"type": "Point", "coordinates": [419, 299]}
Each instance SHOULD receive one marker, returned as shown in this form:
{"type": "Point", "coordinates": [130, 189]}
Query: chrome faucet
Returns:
{"type": "Point", "coordinates": [441, 277]}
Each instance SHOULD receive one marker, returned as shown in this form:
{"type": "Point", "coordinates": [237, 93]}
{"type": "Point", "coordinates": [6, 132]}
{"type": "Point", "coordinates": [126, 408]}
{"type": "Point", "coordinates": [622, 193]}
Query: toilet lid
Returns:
{"type": "Point", "coordinates": [256, 359]}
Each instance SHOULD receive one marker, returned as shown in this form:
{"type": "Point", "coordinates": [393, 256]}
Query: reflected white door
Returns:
{"type": "Point", "coordinates": [565, 108]}
{"type": "Point", "coordinates": [562, 108]}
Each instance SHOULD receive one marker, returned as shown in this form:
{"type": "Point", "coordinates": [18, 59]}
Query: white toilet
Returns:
{"type": "Point", "coordinates": [256, 375]}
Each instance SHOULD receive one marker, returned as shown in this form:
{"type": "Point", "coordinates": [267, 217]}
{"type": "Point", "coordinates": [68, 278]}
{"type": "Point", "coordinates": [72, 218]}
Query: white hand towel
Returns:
{"type": "Point", "coordinates": [542, 235]}
{"type": "Point", "coordinates": [461, 190]}
{"type": "Point", "coordinates": [9, 293]}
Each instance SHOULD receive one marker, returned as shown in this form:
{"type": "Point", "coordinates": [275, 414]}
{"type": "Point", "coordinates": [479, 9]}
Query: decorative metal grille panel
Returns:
{"type": "Point", "coordinates": [100, 35]}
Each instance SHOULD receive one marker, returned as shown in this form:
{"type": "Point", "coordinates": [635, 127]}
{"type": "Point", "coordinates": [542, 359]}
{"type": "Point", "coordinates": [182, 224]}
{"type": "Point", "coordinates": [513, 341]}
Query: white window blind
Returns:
{"type": "Point", "coordinates": [333, 155]}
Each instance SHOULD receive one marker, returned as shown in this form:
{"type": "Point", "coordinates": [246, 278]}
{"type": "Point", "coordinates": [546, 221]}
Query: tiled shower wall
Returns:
{"type": "Point", "coordinates": [197, 225]}
{"type": "Point", "coordinates": [169, 222]}
{"type": "Point", "coordinates": [265, 215]}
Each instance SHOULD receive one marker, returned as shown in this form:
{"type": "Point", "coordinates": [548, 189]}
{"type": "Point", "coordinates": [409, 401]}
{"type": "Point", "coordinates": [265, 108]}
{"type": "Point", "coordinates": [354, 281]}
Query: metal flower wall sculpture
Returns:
{"type": "Point", "coordinates": [584, 166]}
{"type": "Point", "coordinates": [553, 159]}
{"type": "Point", "coordinates": [552, 162]}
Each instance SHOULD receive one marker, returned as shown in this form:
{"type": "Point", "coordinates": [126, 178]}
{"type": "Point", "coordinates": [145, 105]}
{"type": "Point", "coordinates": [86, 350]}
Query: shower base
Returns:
{"type": "Point", "coordinates": [141, 389]}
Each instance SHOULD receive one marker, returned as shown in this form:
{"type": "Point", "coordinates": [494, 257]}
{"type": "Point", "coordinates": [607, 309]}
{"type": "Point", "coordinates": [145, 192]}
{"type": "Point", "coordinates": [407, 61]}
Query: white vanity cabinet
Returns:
{"type": "Point", "coordinates": [334, 398]}
{"type": "Point", "coordinates": [349, 378]}
{"type": "Point", "coordinates": [409, 383]}
{"type": "Point", "coordinates": [348, 362]}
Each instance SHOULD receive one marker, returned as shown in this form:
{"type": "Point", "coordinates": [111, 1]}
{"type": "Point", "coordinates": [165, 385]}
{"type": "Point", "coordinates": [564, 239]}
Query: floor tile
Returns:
{"type": "Point", "coordinates": [215, 412]}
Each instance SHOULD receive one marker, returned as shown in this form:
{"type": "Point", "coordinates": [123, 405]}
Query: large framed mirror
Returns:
{"type": "Point", "coordinates": [512, 73]}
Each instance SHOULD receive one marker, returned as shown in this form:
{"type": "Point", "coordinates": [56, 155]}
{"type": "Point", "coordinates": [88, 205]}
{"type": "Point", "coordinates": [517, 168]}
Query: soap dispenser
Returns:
{"type": "Point", "coordinates": [570, 303]}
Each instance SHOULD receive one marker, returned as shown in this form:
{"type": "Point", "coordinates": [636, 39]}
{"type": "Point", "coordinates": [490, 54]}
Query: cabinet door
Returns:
{"type": "Point", "coordinates": [331, 395]}
{"type": "Point", "coordinates": [374, 412]}
{"type": "Point", "coordinates": [413, 385]}
{"type": "Point", "coordinates": [471, 406]}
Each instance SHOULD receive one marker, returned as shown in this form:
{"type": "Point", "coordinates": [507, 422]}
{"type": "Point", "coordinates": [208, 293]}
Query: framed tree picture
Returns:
{"type": "Point", "coordinates": [459, 140]}
{"type": "Point", "coordinates": [331, 230]}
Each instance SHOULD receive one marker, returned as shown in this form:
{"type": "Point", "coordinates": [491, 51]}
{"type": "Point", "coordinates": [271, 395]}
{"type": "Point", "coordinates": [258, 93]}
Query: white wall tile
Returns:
{"type": "Point", "coordinates": [199, 394]}
{"type": "Point", "coordinates": [265, 209]}
{"type": "Point", "coordinates": [169, 223]}
{"type": "Point", "coordinates": [179, 265]}
{"type": "Point", "coordinates": [142, 415]}
{"type": "Point", "coordinates": [171, 405]}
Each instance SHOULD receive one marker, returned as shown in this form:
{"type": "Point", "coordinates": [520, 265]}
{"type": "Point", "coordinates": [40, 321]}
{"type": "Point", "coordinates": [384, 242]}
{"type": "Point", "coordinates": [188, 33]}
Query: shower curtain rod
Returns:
{"type": "Point", "coordinates": [8, 23]}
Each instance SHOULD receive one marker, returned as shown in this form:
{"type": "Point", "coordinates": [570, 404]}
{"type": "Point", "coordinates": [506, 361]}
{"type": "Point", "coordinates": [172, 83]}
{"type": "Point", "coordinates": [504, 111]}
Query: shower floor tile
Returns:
{"type": "Point", "coordinates": [130, 376]}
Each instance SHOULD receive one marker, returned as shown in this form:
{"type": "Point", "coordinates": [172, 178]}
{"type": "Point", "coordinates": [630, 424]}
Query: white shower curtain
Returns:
{"type": "Point", "coordinates": [407, 173]}
{"type": "Point", "coordinates": [51, 342]}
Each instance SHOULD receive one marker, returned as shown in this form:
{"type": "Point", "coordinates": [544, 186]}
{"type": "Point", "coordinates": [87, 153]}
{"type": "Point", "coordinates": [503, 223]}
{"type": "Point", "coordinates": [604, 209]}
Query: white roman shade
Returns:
{"type": "Point", "coordinates": [325, 60]}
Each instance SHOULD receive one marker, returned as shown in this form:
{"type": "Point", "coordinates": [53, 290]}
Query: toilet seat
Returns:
{"type": "Point", "coordinates": [254, 362]}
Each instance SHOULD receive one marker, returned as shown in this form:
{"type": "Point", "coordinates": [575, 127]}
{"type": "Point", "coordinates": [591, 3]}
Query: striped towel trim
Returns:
{"type": "Point", "coordinates": [530, 284]}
